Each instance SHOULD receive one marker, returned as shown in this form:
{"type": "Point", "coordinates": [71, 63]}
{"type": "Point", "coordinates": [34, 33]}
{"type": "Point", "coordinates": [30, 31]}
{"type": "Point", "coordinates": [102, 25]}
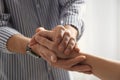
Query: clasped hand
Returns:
{"type": "Point", "coordinates": [59, 48]}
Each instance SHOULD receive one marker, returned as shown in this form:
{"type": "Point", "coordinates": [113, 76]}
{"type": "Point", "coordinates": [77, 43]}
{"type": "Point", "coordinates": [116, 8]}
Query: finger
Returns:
{"type": "Point", "coordinates": [64, 42]}
{"type": "Point", "coordinates": [69, 63]}
{"type": "Point", "coordinates": [60, 30]}
{"type": "Point", "coordinates": [75, 61]}
{"type": "Point", "coordinates": [47, 34]}
{"type": "Point", "coordinates": [44, 41]}
{"type": "Point", "coordinates": [44, 52]}
{"type": "Point", "coordinates": [40, 29]}
{"type": "Point", "coordinates": [81, 68]}
{"type": "Point", "coordinates": [32, 41]}
{"type": "Point", "coordinates": [70, 46]}
{"type": "Point", "coordinates": [76, 48]}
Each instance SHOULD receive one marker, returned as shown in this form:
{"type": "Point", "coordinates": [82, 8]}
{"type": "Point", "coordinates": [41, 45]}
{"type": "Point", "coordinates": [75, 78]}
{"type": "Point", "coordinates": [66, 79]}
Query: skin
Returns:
{"type": "Point", "coordinates": [44, 52]}
{"type": "Point", "coordinates": [44, 37]}
{"type": "Point", "coordinates": [16, 40]}
{"type": "Point", "coordinates": [103, 68]}
{"type": "Point", "coordinates": [64, 41]}
{"type": "Point", "coordinates": [64, 36]}
{"type": "Point", "coordinates": [22, 41]}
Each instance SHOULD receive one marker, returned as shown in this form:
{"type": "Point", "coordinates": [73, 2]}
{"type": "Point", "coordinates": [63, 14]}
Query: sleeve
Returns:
{"type": "Point", "coordinates": [5, 29]}
{"type": "Point", "coordinates": [71, 14]}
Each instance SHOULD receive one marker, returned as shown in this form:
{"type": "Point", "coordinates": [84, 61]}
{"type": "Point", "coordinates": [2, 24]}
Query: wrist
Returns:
{"type": "Point", "coordinates": [30, 52]}
{"type": "Point", "coordinates": [17, 43]}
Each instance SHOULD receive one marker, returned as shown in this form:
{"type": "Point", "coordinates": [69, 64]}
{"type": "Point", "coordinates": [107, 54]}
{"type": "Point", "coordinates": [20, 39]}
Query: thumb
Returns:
{"type": "Point", "coordinates": [40, 29]}
{"type": "Point", "coordinates": [47, 34]}
{"type": "Point", "coordinates": [32, 41]}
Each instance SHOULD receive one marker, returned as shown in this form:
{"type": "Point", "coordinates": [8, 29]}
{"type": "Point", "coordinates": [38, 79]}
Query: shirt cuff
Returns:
{"type": "Point", "coordinates": [76, 23]}
{"type": "Point", "coordinates": [5, 34]}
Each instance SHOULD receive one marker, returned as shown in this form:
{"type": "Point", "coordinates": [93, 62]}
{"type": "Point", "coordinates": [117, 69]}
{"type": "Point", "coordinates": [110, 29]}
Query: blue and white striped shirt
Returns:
{"type": "Point", "coordinates": [24, 16]}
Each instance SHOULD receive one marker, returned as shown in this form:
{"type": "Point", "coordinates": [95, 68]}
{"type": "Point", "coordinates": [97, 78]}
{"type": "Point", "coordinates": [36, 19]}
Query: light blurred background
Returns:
{"type": "Point", "coordinates": [102, 32]}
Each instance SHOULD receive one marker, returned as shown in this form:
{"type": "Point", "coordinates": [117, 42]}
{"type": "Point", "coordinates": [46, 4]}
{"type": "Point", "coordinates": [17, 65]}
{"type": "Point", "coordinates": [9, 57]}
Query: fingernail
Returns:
{"type": "Point", "coordinates": [84, 57]}
{"type": "Point", "coordinates": [53, 59]}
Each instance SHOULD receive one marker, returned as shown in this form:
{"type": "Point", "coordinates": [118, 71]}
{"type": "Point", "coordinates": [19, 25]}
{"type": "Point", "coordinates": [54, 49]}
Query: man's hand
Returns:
{"type": "Point", "coordinates": [65, 38]}
{"type": "Point", "coordinates": [45, 43]}
{"type": "Point", "coordinates": [59, 38]}
{"type": "Point", "coordinates": [42, 50]}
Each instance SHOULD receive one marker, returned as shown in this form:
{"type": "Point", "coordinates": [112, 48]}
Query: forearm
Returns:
{"type": "Point", "coordinates": [17, 43]}
{"type": "Point", "coordinates": [103, 68]}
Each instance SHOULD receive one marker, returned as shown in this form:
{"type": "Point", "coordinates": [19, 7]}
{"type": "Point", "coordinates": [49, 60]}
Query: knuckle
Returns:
{"type": "Point", "coordinates": [68, 33]}
{"type": "Point", "coordinates": [59, 36]}
{"type": "Point", "coordinates": [60, 27]}
{"type": "Point", "coordinates": [72, 42]}
{"type": "Point", "coordinates": [69, 47]}
{"type": "Point", "coordinates": [66, 38]}
{"type": "Point", "coordinates": [64, 43]}
{"type": "Point", "coordinates": [59, 33]}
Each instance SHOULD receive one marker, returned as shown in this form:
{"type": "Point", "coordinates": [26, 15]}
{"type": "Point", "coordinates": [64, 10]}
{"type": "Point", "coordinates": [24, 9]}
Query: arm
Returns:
{"type": "Point", "coordinates": [103, 68]}
{"type": "Point", "coordinates": [70, 17]}
{"type": "Point", "coordinates": [71, 14]}
{"type": "Point", "coordinates": [10, 39]}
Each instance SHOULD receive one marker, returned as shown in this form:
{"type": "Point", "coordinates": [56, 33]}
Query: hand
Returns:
{"type": "Point", "coordinates": [45, 53]}
{"type": "Point", "coordinates": [59, 38]}
{"type": "Point", "coordinates": [42, 50]}
{"type": "Point", "coordinates": [73, 64]}
{"type": "Point", "coordinates": [65, 38]}
{"type": "Point", "coordinates": [84, 68]}
{"type": "Point", "coordinates": [50, 57]}
{"type": "Point", "coordinates": [68, 64]}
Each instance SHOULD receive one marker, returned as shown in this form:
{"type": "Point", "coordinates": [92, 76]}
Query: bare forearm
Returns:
{"type": "Point", "coordinates": [17, 43]}
{"type": "Point", "coordinates": [103, 68]}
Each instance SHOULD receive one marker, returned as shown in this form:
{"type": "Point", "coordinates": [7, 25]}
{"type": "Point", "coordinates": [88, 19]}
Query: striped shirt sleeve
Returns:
{"type": "Point", "coordinates": [71, 14]}
{"type": "Point", "coordinates": [5, 31]}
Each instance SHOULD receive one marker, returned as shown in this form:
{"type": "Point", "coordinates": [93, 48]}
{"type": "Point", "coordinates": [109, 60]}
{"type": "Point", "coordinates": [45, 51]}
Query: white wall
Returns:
{"type": "Point", "coordinates": [118, 27]}
{"type": "Point", "coordinates": [100, 36]}
{"type": "Point", "coordinates": [102, 28]}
